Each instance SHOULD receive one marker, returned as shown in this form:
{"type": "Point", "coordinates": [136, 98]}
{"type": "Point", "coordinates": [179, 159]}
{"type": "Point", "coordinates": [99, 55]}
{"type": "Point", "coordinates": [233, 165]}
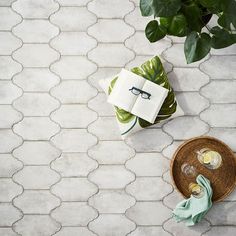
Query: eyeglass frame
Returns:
{"type": "Point", "coordinates": [140, 92]}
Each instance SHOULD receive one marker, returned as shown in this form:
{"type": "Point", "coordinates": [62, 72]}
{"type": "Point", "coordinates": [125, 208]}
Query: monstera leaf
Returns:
{"type": "Point", "coordinates": [151, 70]}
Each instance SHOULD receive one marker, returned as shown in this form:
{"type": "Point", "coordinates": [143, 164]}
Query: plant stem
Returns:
{"type": "Point", "coordinates": [208, 28]}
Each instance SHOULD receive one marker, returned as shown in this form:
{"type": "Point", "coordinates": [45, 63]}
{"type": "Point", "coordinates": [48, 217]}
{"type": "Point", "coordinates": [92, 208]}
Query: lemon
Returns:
{"type": "Point", "coordinates": [196, 189]}
{"type": "Point", "coordinates": [192, 186]}
{"type": "Point", "coordinates": [207, 158]}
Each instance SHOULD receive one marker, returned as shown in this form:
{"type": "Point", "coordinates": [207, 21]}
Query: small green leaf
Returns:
{"type": "Point", "coordinates": [208, 3]}
{"type": "Point", "coordinates": [175, 25]}
{"type": "Point", "coordinates": [124, 116]}
{"type": "Point", "coordinates": [221, 38]}
{"type": "Point", "coordinates": [224, 21]}
{"type": "Point", "coordinates": [146, 7]}
{"type": "Point", "coordinates": [154, 31]}
{"type": "Point", "coordinates": [112, 85]}
{"type": "Point", "coordinates": [229, 9]}
{"type": "Point", "coordinates": [196, 46]}
{"type": "Point", "coordinates": [166, 8]}
{"type": "Point", "coordinates": [193, 14]}
{"type": "Point", "coordinates": [212, 5]}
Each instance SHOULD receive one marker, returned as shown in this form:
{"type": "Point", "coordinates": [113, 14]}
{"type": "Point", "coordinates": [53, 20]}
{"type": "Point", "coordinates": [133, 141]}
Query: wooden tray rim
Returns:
{"type": "Point", "coordinates": [196, 138]}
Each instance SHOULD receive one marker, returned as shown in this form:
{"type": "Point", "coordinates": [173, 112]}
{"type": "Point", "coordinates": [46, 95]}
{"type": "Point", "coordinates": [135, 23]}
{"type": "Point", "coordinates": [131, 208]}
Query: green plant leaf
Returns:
{"type": "Point", "coordinates": [154, 31]}
{"type": "Point", "coordinates": [166, 8]}
{"type": "Point", "coordinates": [208, 3]}
{"type": "Point", "coordinates": [196, 46]}
{"type": "Point", "coordinates": [193, 14]}
{"type": "Point", "coordinates": [153, 70]}
{"type": "Point", "coordinates": [146, 7]}
{"type": "Point", "coordinates": [229, 10]}
{"type": "Point", "coordinates": [224, 21]}
{"type": "Point", "coordinates": [112, 85]}
{"type": "Point", "coordinates": [123, 116]}
{"type": "Point", "coordinates": [221, 38]}
{"type": "Point", "coordinates": [175, 25]}
{"type": "Point", "coordinates": [212, 5]}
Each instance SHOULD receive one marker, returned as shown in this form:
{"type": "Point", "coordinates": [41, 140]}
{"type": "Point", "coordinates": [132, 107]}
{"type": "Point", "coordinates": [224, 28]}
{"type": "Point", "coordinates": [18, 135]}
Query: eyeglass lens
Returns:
{"type": "Point", "coordinates": [135, 91]}
{"type": "Point", "coordinates": [145, 95]}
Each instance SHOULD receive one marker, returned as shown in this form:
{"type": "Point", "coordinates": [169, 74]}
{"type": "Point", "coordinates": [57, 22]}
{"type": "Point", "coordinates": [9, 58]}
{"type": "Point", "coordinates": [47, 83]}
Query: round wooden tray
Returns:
{"type": "Point", "coordinates": [223, 179]}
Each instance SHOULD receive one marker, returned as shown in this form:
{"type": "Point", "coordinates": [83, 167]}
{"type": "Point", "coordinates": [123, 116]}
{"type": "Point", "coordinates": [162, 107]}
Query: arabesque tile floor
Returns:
{"type": "Point", "coordinates": [64, 169]}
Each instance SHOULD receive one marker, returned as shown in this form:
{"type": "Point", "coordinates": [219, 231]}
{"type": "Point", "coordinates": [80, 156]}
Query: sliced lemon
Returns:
{"type": "Point", "coordinates": [192, 186]}
{"type": "Point", "coordinates": [196, 189]}
{"type": "Point", "coordinates": [207, 158]}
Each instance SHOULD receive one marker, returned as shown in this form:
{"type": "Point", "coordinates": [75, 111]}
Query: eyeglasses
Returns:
{"type": "Point", "coordinates": [137, 91]}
